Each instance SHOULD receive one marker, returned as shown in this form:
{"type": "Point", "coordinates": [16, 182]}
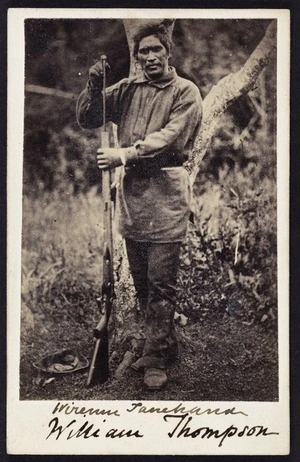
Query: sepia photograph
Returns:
{"type": "Point", "coordinates": [223, 321]}
{"type": "Point", "coordinates": [150, 245]}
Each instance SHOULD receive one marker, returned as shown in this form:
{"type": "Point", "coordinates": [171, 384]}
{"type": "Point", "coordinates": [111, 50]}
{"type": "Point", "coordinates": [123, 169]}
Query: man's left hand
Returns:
{"type": "Point", "coordinates": [109, 158]}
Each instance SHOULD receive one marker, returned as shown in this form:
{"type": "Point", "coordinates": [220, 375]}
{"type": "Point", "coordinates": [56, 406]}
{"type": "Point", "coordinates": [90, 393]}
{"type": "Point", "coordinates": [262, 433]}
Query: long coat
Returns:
{"type": "Point", "coordinates": [161, 118]}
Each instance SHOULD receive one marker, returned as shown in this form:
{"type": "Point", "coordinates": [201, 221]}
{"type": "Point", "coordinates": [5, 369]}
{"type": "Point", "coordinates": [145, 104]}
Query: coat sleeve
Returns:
{"type": "Point", "coordinates": [89, 108]}
{"type": "Point", "coordinates": [181, 128]}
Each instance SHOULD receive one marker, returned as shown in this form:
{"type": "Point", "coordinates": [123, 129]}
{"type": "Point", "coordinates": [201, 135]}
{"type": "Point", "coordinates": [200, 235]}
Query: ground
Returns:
{"type": "Point", "coordinates": [225, 360]}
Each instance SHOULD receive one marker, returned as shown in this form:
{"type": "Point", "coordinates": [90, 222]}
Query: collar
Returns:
{"type": "Point", "coordinates": [163, 82]}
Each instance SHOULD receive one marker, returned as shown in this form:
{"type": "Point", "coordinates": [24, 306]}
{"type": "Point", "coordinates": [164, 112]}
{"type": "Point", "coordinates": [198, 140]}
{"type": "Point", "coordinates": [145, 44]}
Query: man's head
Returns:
{"type": "Point", "coordinates": [152, 50]}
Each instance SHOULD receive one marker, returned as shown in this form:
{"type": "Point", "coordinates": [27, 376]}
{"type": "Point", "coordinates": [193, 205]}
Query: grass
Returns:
{"type": "Point", "coordinates": [226, 289]}
{"type": "Point", "coordinates": [61, 268]}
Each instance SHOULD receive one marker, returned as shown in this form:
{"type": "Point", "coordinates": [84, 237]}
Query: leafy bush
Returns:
{"type": "Point", "coordinates": [229, 260]}
{"type": "Point", "coordinates": [58, 155]}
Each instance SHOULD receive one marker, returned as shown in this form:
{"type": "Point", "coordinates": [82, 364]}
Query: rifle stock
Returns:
{"type": "Point", "coordinates": [99, 368]}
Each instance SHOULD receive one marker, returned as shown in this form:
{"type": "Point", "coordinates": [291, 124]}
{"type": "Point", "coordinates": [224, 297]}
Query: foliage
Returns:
{"type": "Point", "coordinates": [229, 260]}
{"type": "Point", "coordinates": [57, 156]}
{"type": "Point", "coordinates": [207, 50]}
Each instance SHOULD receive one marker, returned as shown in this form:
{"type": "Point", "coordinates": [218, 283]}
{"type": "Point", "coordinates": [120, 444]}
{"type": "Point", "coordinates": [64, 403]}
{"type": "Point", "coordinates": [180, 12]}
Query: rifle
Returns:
{"type": "Point", "coordinates": [99, 368]}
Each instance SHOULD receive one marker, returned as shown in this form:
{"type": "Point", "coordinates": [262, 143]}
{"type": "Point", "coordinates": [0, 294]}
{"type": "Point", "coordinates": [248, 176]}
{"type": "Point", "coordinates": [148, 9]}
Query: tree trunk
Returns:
{"type": "Point", "coordinates": [127, 330]}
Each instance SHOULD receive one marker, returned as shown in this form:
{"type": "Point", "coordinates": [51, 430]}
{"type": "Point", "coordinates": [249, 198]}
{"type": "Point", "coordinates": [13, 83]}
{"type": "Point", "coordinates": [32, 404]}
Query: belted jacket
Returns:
{"type": "Point", "coordinates": [161, 118]}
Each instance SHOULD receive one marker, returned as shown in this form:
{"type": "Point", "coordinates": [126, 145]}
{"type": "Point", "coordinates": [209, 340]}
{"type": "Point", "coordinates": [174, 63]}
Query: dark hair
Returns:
{"type": "Point", "coordinates": [160, 31]}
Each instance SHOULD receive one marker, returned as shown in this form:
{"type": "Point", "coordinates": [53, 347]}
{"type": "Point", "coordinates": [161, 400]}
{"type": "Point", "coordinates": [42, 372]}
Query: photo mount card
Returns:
{"type": "Point", "coordinates": [51, 411]}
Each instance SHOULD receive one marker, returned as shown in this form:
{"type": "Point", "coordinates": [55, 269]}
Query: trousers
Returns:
{"type": "Point", "coordinates": [154, 268]}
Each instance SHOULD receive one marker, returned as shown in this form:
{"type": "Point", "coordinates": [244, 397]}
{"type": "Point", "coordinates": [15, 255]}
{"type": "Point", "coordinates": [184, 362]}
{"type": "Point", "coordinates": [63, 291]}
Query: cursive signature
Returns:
{"type": "Point", "coordinates": [86, 430]}
{"type": "Point", "coordinates": [82, 410]}
{"type": "Point", "coordinates": [182, 429]}
{"type": "Point", "coordinates": [180, 409]}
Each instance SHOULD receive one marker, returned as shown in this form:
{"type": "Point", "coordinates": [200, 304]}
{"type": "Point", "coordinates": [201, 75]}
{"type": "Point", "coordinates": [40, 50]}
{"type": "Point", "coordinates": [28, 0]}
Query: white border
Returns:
{"type": "Point", "coordinates": [27, 420]}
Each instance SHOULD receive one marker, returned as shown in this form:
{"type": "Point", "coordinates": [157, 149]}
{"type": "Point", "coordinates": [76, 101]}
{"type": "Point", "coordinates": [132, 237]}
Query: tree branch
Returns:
{"type": "Point", "coordinates": [227, 90]}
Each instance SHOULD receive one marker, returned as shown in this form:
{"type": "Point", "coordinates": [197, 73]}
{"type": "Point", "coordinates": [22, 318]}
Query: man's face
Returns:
{"type": "Point", "coordinates": [153, 57]}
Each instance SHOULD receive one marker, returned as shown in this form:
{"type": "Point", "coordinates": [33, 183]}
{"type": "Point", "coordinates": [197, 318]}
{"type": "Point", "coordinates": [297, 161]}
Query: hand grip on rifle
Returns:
{"type": "Point", "coordinates": [97, 71]}
{"type": "Point", "coordinates": [110, 158]}
{"type": "Point", "coordinates": [99, 367]}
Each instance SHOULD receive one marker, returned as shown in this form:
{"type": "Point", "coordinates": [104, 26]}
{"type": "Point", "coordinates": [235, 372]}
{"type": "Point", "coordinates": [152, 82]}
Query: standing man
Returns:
{"type": "Point", "coordinates": [158, 115]}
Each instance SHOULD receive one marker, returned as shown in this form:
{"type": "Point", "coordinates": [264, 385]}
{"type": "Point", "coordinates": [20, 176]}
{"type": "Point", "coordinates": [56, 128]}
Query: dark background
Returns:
{"type": "Point", "coordinates": [59, 155]}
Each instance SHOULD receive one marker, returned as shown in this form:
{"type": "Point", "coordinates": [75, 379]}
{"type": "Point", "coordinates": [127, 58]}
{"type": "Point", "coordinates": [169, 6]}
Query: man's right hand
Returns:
{"type": "Point", "coordinates": [96, 75]}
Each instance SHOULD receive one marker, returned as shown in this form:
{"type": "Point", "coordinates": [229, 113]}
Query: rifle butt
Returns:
{"type": "Point", "coordinates": [99, 368]}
